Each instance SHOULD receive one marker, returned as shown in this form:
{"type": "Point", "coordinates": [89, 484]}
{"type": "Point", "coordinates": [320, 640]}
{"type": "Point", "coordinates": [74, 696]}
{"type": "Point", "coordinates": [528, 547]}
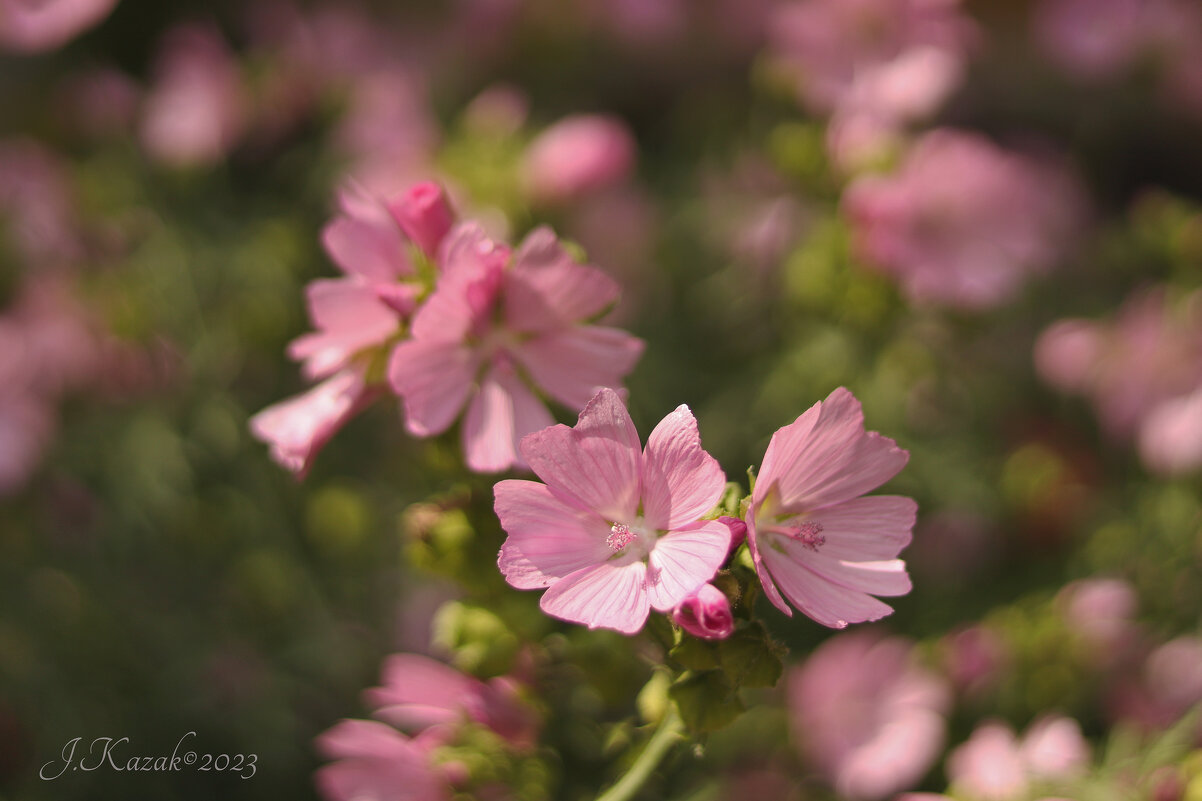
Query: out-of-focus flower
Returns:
{"type": "Point", "coordinates": [1169, 684]}
{"type": "Point", "coordinates": [994, 765]}
{"type": "Point", "coordinates": [498, 326]}
{"type": "Point", "coordinates": [974, 658]}
{"type": "Point", "coordinates": [36, 208]}
{"type": "Point", "coordinates": [813, 539]}
{"type": "Point", "coordinates": [1142, 371]}
{"type": "Point", "coordinates": [101, 102]}
{"type": "Point", "coordinates": [429, 703]}
{"type": "Point", "coordinates": [866, 716]}
{"type": "Point", "coordinates": [32, 27]}
{"type": "Point", "coordinates": [298, 428]}
{"type": "Point", "coordinates": [1170, 440]}
{"type": "Point", "coordinates": [195, 111]}
{"type": "Point", "coordinates": [355, 316]}
{"type": "Point", "coordinates": [871, 65]}
{"type": "Point", "coordinates": [388, 131]}
{"type": "Point", "coordinates": [578, 155]}
{"type": "Point", "coordinates": [617, 530]}
{"type": "Point", "coordinates": [1096, 38]}
{"type": "Point", "coordinates": [377, 761]}
{"type": "Point", "coordinates": [705, 614]}
{"type": "Point", "coordinates": [1102, 612]}
{"type": "Point", "coordinates": [963, 222]}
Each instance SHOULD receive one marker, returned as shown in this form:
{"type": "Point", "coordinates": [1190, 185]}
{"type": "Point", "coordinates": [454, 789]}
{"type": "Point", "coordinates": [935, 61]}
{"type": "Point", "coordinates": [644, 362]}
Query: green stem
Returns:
{"type": "Point", "coordinates": [657, 748]}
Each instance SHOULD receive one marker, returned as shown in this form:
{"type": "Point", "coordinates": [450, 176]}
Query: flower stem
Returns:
{"type": "Point", "coordinates": [661, 742]}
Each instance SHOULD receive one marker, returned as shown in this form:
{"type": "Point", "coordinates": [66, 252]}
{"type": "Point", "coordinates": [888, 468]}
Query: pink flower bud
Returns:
{"type": "Point", "coordinates": [738, 531]}
{"type": "Point", "coordinates": [424, 215]}
{"type": "Point", "coordinates": [576, 155]}
{"type": "Point", "coordinates": [705, 614]}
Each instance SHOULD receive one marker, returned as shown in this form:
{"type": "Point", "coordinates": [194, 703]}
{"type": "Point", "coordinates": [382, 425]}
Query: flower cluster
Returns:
{"type": "Point", "coordinates": [446, 318]}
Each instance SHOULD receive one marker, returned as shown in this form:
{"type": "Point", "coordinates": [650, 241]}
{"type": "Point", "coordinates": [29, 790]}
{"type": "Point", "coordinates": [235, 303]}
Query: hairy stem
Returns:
{"type": "Point", "coordinates": [666, 736]}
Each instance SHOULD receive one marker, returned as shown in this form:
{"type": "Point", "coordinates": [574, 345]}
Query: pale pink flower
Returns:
{"type": "Point", "coordinates": [33, 26]}
{"type": "Point", "coordinates": [974, 658]}
{"type": "Point", "coordinates": [962, 222]}
{"type": "Point", "coordinates": [893, 60]}
{"type": "Point", "coordinates": [499, 327]}
{"type": "Point", "coordinates": [994, 765]}
{"type": "Point", "coordinates": [419, 693]}
{"type": "Point", "coordinates": [375, 761]}
{"type": "Point", "coordinates": [1101, 611]}
{"type": "Point", "coordinates": [616, 530]}
{"type": "Point", "coordinates": [388, 130]}
{"type": "Point", "coordinates": [195, 111]}
{"type": "Point", "coordinates": [1148, 355]}
{"type": "Point", "coordinates": [1097, 38]}
{"type": "Point", "coordinates": [813, 539]}
{"type": "Point", "coordinates": [578, 155]}
{"type": "Point", "coordinates": [1170, 439]}
{"type": "Point", "coordinates": [37, 214]}
{"type": "Point", "coordinates": [705, 614]}
{"type": "Point", "coordinates": [370, 241]}
{"type": "Point", "coordinates": [1169, 684]}
{"type": "Point", "coordinates": [296, 429]}
{"type": "Point", "coordinates": [866, 716]}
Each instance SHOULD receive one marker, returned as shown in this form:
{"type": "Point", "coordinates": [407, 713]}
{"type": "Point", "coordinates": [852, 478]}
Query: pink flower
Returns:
{"type": "Point", "coordinates": [578, 155]}
{"type": "Point", "coordinates": [994, 765]}
{"type": "Point", "coordinates": [1101, 611]}
{"type": "Point", "coordinates": [31, 27]}
{"type": "Point", "coordinates": [419, 694]}
{"type": "Point", "coordinates": [298, 428]}
{"type": "Point", "coordinates": [705, 614]}
{"type": "Point", "coordinates": [866, 716]}
{"type": "Point", "coordinates": [895, 60]}
{"type": "Point", "coordinates": [616, 531]}
{"type": "Point", "coordinates": [377, 761]}
{"type": "Point", "coordinates": [1142, 370]}
{"type": "Point", "coordinates": [813, 539]}
{"type": "Point", "coordinates": [962, 222]}
{"type": "Point", "coordinates": [196, 110]}
{"type": "Point", "coordinates": [498, 328]}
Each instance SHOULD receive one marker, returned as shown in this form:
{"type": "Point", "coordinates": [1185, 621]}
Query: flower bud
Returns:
{"type": "Point", "coordinates": [424, 215]}
{"type": "Point", "coordinates": [578, 154]}
{"type": "Point", "coordinates": [705, 614]}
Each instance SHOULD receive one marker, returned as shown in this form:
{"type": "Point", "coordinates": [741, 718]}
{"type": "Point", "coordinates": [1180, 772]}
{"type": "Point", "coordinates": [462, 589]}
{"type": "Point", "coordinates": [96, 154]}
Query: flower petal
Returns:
{"type": "Point", "coordinates": [418, 692]}
{"type": "Point", "coordinates": [434, 380]}
{"type": "Point", "coordinates": [349, 316]}
{"type": "Point", "coordinates": [682, 561]}
{"type": "Point", "coordinates": [373, 249]}
{"type": "Point", "coordinates": [547, 288]}
{"type": "Point", "coordinates": [595, 464]}
{"type": "Point", "coordinates": [868, 528]}
{"type": "Point", "coordinates": [570, 365]}
{"type": "Point", "coordinates": [825, 457]}
{"type": "Point", "coordinates": [681, 482]}
{"type": "Point", "coordinates": [823, 600]}
{"type": "Point", "coordinates": [761, 570]}
{"type": "Point", "coordinates": [548, 538]}
{"type": "Point", "coordinates": [501, 414]}
{"type": "Point", "coordinates": [609, 595]}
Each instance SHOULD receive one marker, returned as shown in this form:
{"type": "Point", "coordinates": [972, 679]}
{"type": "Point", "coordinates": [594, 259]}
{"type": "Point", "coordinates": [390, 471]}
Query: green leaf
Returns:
{"type": "Point", "coordinates": [707, 701]}
{"type": "Point", "coordinates": [750, 658]}
{"type": "Point", "coordinates": [695, 654]}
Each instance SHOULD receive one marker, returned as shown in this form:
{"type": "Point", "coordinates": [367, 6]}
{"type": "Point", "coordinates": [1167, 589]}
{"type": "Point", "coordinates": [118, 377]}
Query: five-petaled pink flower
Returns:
{"type": "Point", "coordinates": [616, 530]}
{"type": "Point", "coordinates": [813, 539]}
{"type": "Point", "coordinates": [500, 328]}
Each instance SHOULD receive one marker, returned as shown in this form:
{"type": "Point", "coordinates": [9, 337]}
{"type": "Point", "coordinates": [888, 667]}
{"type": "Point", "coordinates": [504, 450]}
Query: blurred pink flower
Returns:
{"type": "Point", "coordinates": [429, 702]}
{"type": "Point", "coordinates": [1142, 370]}
{"type": "Point", "coordinates": [1096, 38]}
{"type": "Point", "coordinates": [419, 694]}
{"type": "Point", "coordinates": [866, 716]}
{"type": "Point", "coordinates": [196, 108]}
{"type": "Point", "coordinates": [298, 428]}
{"type": "Point", "coordinates": [27, 426]}
{"type": "Point", "coordinates": [974, 658]}
{"type": "Point", "coordinates": [37, 214]}
{"type": "Point", "coordinates": [99, 102]}
{"type": "Point", "coordinates": [705, 614]}
{"type": "Point", "coordinates": [616, 531]}
{"type": "Point", "coordinates": [994, 765]}
{"type": "Point", "coordinates": [388, 130]}
{"type": "Point", "coordinates": [888, 61]}
{"type": "Point", "coordinates": [1169, 683]}
{"type": "Point", "coordinates": [376, 761]}
{"type": "Point", "coordinates": [499, 326]}
{"type": "Point", "coordinates": [1101, 611]}
{"type": "Point", "coordinates": [578, 155]}
{"type": "Point", "coordinates": [963, 222]}
{"type": "Point", "coordinates": [31, 26]}
{"type": "Point", "coordinates": [813, 539]}
{"type": "Point", "coordinates": [1170, 439]}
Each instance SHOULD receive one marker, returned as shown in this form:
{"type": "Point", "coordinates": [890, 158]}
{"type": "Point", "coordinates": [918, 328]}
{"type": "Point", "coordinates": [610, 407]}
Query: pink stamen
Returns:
{"type": "Point", "coordinates": [808, 534]}
{"type": "Point", "coordinates": [619, 537]}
